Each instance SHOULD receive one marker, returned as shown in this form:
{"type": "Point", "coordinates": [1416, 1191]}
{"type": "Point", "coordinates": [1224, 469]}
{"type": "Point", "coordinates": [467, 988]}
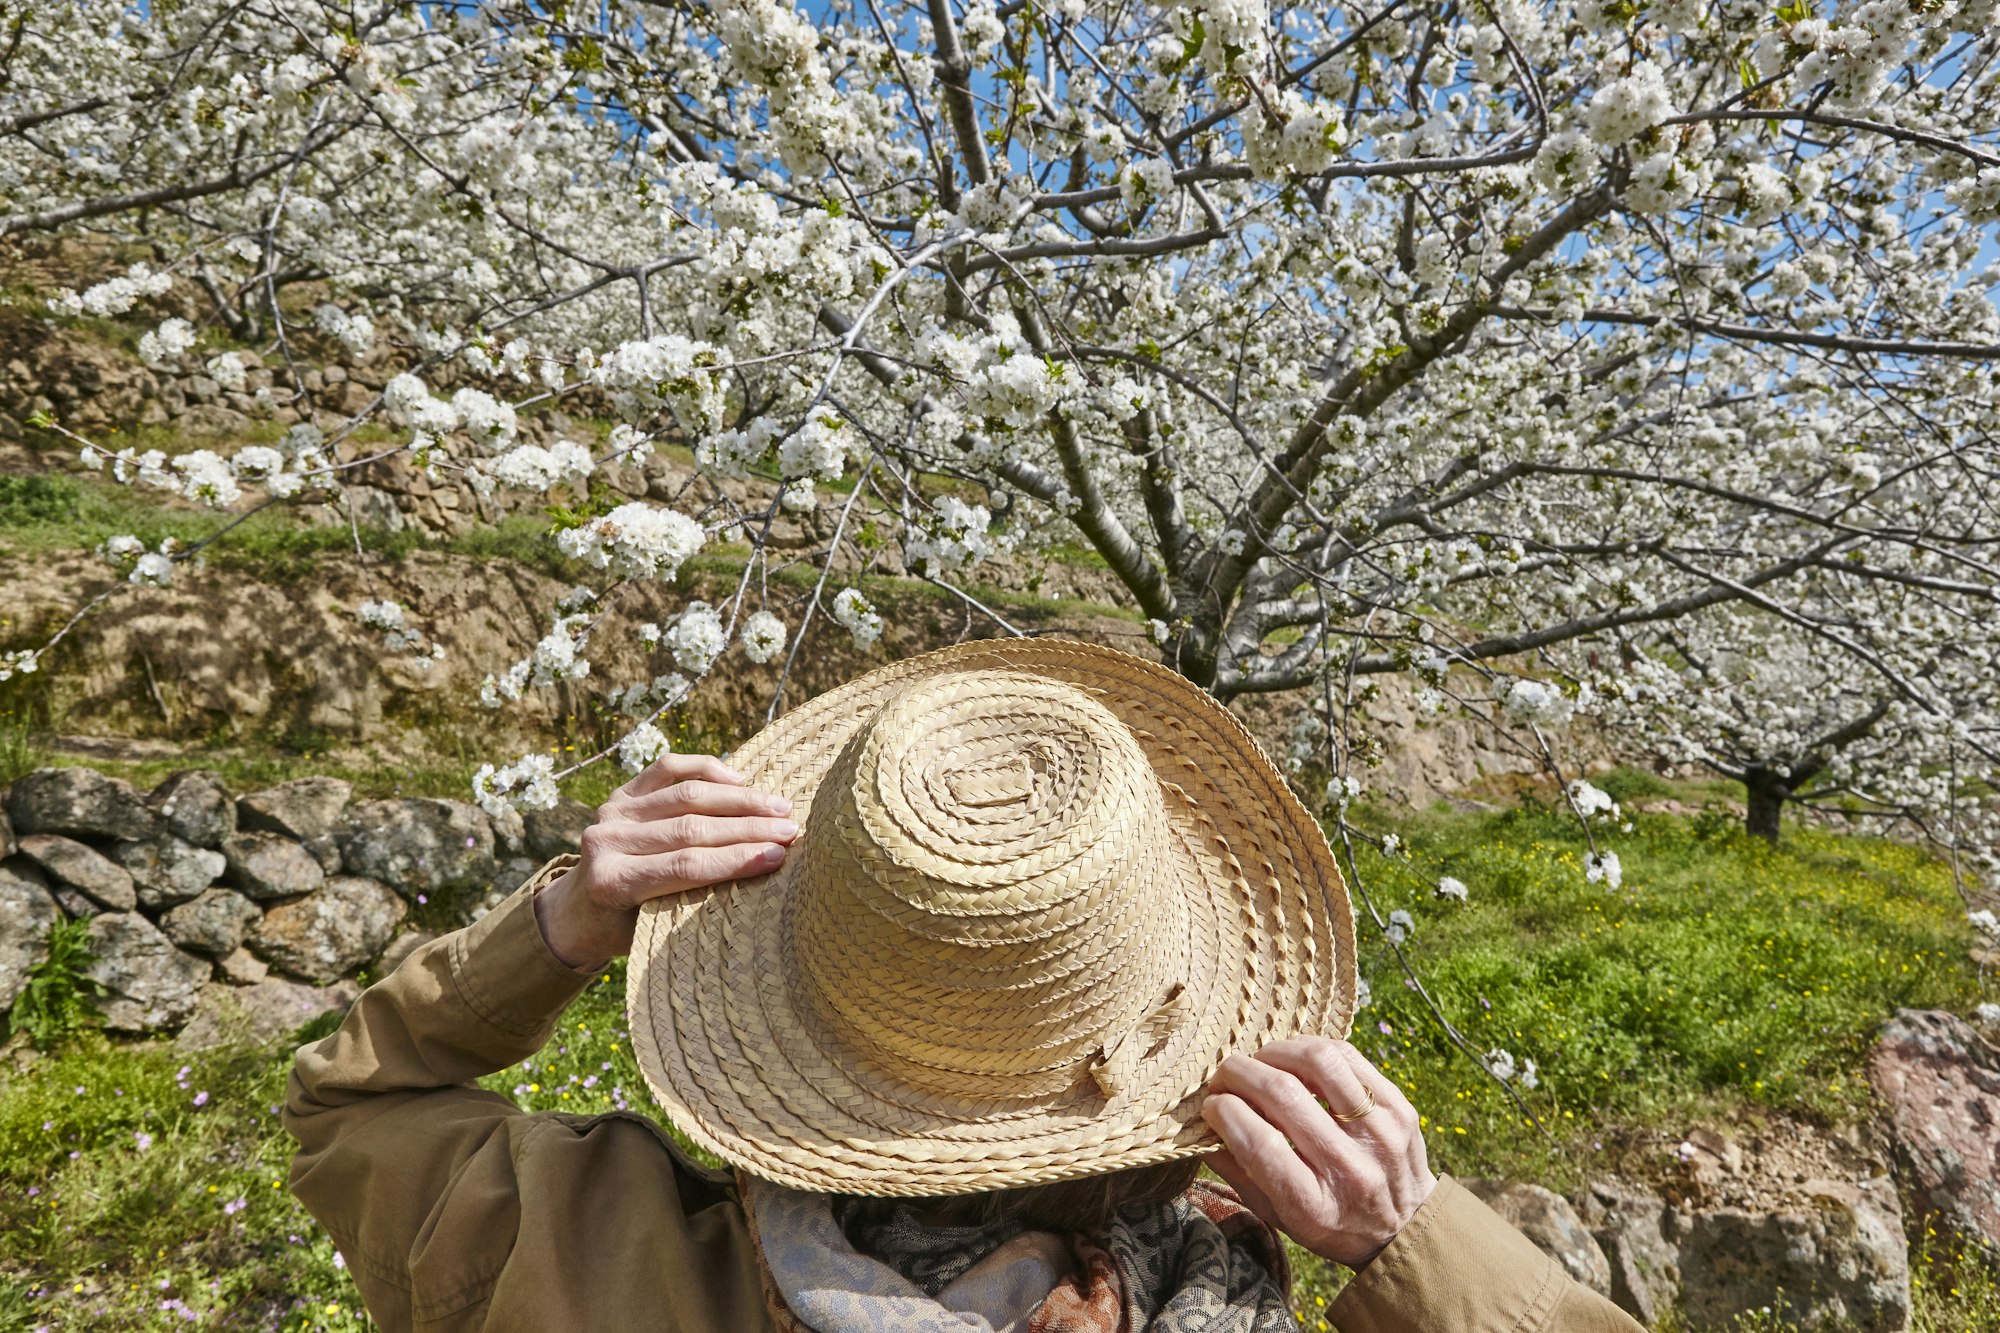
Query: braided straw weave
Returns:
{"type": "Point", "coordinates": [1042, 890]}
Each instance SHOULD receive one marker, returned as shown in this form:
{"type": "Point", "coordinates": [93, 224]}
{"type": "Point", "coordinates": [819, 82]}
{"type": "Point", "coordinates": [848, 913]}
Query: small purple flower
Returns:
{"type": "Point", "coordinates": [143, 1139]}
{"type": "Point", "coordinates": [234, 1206]}
{"type": "Point", "coordinates": [422, 899]}
{"type": "Point", "coordinates": [1386, 1029]}
{"type": "Point", "coordinates": [33, 1190]}
{"type": "Point", "coordinates": [79, 1089]}
{"type": "Point", "coordinates": [201, 1099]}
{"type": "Point", "coordinates": [339, 1259]}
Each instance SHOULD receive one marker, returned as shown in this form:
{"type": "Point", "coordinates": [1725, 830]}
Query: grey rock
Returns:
{"type": "Point", "coordinates": [150, 983]}
{"type": "Point", "coordinates": [1839, 1258]}
{"type": "Point", "coordinates": [84, 869]}
{"type": "Point", "coordinates": [214, 923]}
{"type": "Point", "coordinates": [1547, 1219]}
{"type": "Point", "coordinates": [400, 948]}
{"type": "Point", "coordinates": [74, 905]}
{"type": "Point", "coordinates": [271, 865]}
{"type": "Point", "coordinates": [1939, 1082]}
{"type": "Point", "coordinates": [259, 1013]}
{"type": "Point", "coordinates": [243, 968]}
{"type": "Point", "coordinates": [27, 915]}
{"type": "Point", "coordinates": [167, 870]}
{"type": "Point", "coordinates": [553, 831]}
{"type": "Point", "coordinates": [511, 875]}
{"type": "Point", "coordinates": [79, 801]}
{"type": "Point", "coordinates": [307, 809]}
{"type": "Point", "coordinates": [329, 932]}
{"type": "Point", "coordinates": [1631, 1226]}
{"type": "Point", "coordinates": [196, 807]}
{"type": "Point", "coordinates": [420, 845]}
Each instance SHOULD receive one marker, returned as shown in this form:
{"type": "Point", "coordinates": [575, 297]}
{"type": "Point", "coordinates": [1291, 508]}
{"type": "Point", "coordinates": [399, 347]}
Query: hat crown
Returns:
{"type": "Point", "coordinates": [980, 890]}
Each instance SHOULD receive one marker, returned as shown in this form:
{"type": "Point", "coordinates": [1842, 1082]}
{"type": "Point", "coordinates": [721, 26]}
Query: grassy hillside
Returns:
{"type": "Point", "coordinates": [1730, 984]}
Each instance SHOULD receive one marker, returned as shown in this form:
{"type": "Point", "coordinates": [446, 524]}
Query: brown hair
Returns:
{"type": "Point", "coordinates": [1084, 1204]}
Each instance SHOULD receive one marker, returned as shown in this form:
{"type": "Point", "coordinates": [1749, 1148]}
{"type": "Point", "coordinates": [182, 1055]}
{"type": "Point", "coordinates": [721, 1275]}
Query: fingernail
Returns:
{"type": "Point", "coordinates": [788, 828]}
{"type": "Point", "coordinates": [771, 857]}
{"type": "Point", "coordinates": [730, 775]}
{"type": "Point", "coordinates": [778, 805]}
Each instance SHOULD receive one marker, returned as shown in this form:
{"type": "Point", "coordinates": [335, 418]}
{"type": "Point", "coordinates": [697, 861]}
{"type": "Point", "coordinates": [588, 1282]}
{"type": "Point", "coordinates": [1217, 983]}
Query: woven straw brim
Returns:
{"type": "Point", "coordinates": [1254, 932]}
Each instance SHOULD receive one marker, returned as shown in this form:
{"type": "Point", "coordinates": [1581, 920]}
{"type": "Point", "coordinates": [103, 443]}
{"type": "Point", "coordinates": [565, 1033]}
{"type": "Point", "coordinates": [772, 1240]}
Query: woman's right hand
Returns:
{"type": "Point", "coordinates": [685, 822]}
{"type": "Point", "coordinates": [1341, 1188]}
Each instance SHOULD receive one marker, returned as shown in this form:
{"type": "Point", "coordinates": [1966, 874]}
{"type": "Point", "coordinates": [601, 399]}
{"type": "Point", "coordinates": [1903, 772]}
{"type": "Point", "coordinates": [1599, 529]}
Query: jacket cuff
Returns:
{"type": "Point", "coordinates": [1456, 1265]}
{"type": "Point", "coordinates": [503, 967]}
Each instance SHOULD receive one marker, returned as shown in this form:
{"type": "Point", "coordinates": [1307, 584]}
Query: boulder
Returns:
{"type": "Point", "coordinates": [243, 968]}
{"type": "Point", "coordinates": [79, 801]}
{"type": "Point", "coordinates": [511, 875]}
{"type": "Point", "coordinates": [1837, 1258]}
{"type": "Point", "coordinates": [167, 870]}
{"type": "Point", "coordinates": [84, 869]}
{"type": "Point", "coordinates": [150, 983]}
{"type": "Point", "coordinates": [271, 865]}
{"type": "Point", "coordinates": [1939, 1082]}
{"type": "Point", "coordinates": [213, 924]}
{"type": "Point", "coordinates": [1547, 1219]}
{"type": "Point", "coordinates": [306, 809]}
{"type": "Point", "coordinates": [553, 831]}
{"type": "Point", "coordinates": [420, 845]}
{"type": "Point", "coordinates": [1633, 1228]}
{"type": "Point", "coordinates": [74, 905]}
{"type": "Point", "coordinates": [255, 1014]}
{"type": "Point", "coordinates": [400, 948]}
{"type": "Point", "coordinates": [331, 931]}
{"type": "Point", "coordinates": [195, 806]}
{"type": "Point", "coordinates": [27, 914]}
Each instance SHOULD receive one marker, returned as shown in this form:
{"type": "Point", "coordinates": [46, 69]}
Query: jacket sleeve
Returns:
{"type": "Point", "coordinates": [449, 1203]}
{"type": "Point", "coordinates": [1458, 1265]}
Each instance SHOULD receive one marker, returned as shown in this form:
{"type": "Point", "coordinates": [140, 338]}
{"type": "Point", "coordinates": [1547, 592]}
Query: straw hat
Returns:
{"type": "Point", "coordinates": [1041, 891]}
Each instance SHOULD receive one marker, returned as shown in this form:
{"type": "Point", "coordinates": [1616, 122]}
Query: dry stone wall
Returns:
{"type": "Point", "coordinates": [190, 890]}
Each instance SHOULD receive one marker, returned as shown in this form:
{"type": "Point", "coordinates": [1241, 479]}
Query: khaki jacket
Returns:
{"type": "Point", "coordinates": [457, 1210]}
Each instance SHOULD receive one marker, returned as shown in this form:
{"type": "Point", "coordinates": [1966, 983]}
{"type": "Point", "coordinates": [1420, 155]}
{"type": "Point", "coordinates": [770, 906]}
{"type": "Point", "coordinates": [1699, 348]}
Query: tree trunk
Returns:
{"type": "Point", "coordinates": [1768, 793]}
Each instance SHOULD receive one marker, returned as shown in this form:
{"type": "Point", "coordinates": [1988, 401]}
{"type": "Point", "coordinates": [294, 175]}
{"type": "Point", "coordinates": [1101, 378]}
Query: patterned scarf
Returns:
{"type": "Point", "coordinates": [1200, 1262]}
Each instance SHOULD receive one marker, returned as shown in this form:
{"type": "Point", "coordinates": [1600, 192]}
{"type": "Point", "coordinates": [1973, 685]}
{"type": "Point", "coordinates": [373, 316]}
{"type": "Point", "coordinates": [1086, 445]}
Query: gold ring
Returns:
{"type": "Point", "coordinates": [1356, 1115]}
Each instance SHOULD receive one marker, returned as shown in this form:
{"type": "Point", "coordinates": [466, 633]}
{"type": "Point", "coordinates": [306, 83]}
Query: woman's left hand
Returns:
{"type": "Point", "coordinates": [1343, 1187]}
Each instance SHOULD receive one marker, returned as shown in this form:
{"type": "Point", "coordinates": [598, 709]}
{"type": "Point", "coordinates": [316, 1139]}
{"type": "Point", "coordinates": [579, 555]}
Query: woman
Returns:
{"type": "Point", "coordinates": [966, 972]}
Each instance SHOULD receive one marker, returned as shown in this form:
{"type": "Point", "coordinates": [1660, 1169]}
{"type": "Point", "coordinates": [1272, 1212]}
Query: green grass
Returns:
{"type": "Point", "coordinates": [1650, 1007]}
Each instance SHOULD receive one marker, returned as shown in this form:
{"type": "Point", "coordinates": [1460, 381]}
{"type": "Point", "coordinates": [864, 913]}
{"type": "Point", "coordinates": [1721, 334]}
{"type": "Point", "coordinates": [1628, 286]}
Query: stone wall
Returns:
{"type": "Point", "coordinates": [189, 889]}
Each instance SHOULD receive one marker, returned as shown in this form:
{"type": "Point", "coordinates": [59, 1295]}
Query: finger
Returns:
{"type": "Point", "coordinates": [1387, 1095]}
{"type": "Point", "coordinates": [698, 797]}
{"type": "Point", "coordinates": [639, 879]}
{"type": "Point", "coordinates": [1320, 1064]}
{"type": "Point", "coordinates": [1224, 1164]}
{"type": "Point", "coordinates": [1280, 1098]}
{"type": "Point", "coordinates": [671, 768]}
{"type": "Point", "coordinates": [1262, 1157]}
{"type": "Point", "coordinates": [631, 838]}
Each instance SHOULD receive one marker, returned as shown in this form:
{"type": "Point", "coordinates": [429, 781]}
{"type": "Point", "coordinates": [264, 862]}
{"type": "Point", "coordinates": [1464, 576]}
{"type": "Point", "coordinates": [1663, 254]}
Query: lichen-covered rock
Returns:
{"type": "Point", "coordinates": [400, 948]}
{"type": "Point", "coordinates": [243, 968]}
{"type": "Point", "coordinates": [1547, 1219]}
{"type": "Point", "coordinates": [1631, 1226]}
{"type": "Point", "coordinates": [82, 868]}
{"type": "Point", "coordinates": [271, 865]}
{"type": "Point", "coordinates": [331, 931]}
{"type": "Point", "coordinates": [75, 801]}
{"type": "Point", "coordinates": [149, 983]}
{"type": "Point", "coordinates": [195, 806]}
{"type": "Point", "coordinates": [27, 914]}
{"type": "Point", "coordinates": [255, 1014]}
{"type": "Point", "coordinates": [419, 845]}
{"type": "Point", "coordinates": [1839, 1258]}
{"type": "Point", "coordinates": [214, 923]}
{"type": "Point", "coordinates": [306, 809]}
{"type": "Point", "coordinates": [1940, 1083]}
{"type": "Point", "coordinates": [553, 831]}
{"type": "Point", "coordinates": [167, 870]}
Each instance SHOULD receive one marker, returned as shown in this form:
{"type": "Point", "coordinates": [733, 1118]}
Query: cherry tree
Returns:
{"type": "Point", "coordinates": [1555, 343]}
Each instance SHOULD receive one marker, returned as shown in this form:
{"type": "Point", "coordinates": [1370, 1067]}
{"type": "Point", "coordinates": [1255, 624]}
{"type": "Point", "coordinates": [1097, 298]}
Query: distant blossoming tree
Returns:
{"type": "Point", "coordinates": [1634, 353]}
